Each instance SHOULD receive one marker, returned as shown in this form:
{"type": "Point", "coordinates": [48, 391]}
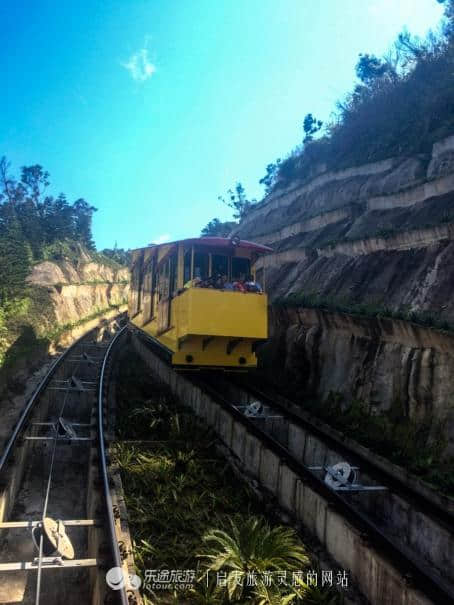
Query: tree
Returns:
{"type": "Point", "coordinates": [43, 220]}
{"type": "Point", "coordinates": [83, 214]}
{"type": "Point", "coordinates": [15, 255]}
{"type": "Point", "coordinates": [59, 219]}
{"type": "Point", "coordinates": [32, 225]}
{"type": "Point", "coordinates": [119, 255]}
{"type": "Point", "coordinates": [269, 180]}
{"type": "Point", "coordinates": [238, 202]}
{"type": "Point", "coordinates": [218, 228]}
{"type": "Point", "coordinates": [448, 28]}
{"type": "Point", "coordinates": [34, 180]}
{"type": "Point", "coordinates": [310, 126]}
{"type": "Point", "coordinates": [369, 68]}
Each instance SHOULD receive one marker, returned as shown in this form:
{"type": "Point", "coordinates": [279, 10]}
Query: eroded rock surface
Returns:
{"type": "Point", "coordinates": [380, 233]}
{"type": "Point", "coordinates": [383, 361]}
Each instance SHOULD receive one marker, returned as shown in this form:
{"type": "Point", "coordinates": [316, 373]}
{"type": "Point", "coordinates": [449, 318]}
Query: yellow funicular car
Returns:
{"type": "Point", "coordinates": [202, 299]}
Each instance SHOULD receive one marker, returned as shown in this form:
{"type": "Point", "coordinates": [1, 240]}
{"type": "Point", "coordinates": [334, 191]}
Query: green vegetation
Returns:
{"type": "Point", "coordinates": [251, 547]}
{"type": "Point", "coordinates": [59, 329]}
{"type": "Point", "coordinates": [413, 445]}
{"type": "Point", "coordinates": [35, 227]}
{"type": "Point", "coordinates": [236, 200]}
{"type": "Point", "coordinates": [27, 318]}
{"type": "Point", "coordinates": [188, 511]}
{"type": "Point", "coordinates": [114, 257]}
{"type": "Point", "coordinates": [311, 126]}
{"type": "Point", "coordinates": [269, 180]}
{"type": "Point", "coordinates": [217, 228]}
{"type": "Point", "coordinates": [400, 106]}
{"type": "Point", "coordinates": [391, 434]}
{"type": "Point", "coordinates": [21, 323]}
{"type": "Point", "coordinates": [313, 300]}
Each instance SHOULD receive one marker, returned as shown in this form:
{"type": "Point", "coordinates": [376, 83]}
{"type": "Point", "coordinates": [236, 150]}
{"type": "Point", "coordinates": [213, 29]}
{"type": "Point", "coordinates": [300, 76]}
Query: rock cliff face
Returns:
{"type": "Point", "coordinates": [63, 300]}
{"type": "Point", "coordinates": [382, 235]}
{"type": "Point", "coordinates": [51, 273]}
{"type": "Point", "coordinates": [61, 297]}
{"type": "Point", "coordinates": [381, 361]}
{"type": "Point", "coordinates": [77, 291]}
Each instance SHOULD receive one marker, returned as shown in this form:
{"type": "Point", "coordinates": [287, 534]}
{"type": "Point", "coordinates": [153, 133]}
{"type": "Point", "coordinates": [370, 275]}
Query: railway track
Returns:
{"type": "Point", "coordinates": [362, 492]}
{"type": "Point", "coordinates": [57, 527]}
{"type": "Point", "coordinates": [412, 531]}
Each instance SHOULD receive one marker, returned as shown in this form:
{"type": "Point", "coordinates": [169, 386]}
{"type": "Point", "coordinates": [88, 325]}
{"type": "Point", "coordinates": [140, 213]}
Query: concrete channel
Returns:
{"type": "Point", "coordinates": [419, 527]}
{"type": "Point", "coordinates": [377, 576]}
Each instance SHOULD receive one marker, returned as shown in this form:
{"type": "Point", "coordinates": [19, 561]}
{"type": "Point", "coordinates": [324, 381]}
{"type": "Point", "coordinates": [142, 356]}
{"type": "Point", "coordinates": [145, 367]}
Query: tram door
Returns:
{"type": "Point", "coordinates": [167, 287]}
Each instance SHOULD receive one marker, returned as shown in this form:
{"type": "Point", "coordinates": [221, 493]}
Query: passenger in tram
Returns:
{"type": "Point", "coordinates": [209, 282]}
{"type": "Point", "coordinates": [226, 284]}
{"type": "Point", "coordinates": [253, 286]}
{"type": "Point", "coordinates": [196, 282]}
{"type": "Point", "coordinates": [239, 285]}
{"type": "Point", "coordinates": [220, 281]}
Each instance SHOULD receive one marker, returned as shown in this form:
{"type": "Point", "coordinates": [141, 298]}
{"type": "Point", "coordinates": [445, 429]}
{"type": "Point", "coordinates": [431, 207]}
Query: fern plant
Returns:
{"type": "Point", "coordinates": [252, 547]}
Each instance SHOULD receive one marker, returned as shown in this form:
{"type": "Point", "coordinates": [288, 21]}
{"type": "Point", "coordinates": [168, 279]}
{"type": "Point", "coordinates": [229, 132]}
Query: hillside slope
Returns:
{"type": "Point", "coordinates": [380, 234]}
{"type": "Point", "coordinates": [373, 241]}
{"type": "Point", "coordinates": [59, 296]}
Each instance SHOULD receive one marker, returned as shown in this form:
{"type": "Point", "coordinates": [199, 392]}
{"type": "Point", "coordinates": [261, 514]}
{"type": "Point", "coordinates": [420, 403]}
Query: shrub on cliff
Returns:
{"type": "Point", "coordinates": [218, 228]}
{"type": "Point", "coordinates": [401, 105]}
{"type": "Point", "coordinates": [236, 200]}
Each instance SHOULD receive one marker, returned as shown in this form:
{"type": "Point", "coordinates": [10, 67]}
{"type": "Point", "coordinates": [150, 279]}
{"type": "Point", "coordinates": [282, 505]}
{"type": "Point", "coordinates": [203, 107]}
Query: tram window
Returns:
{"type": "Point", "coordinates": [187, 266]}
{"type": "Point", "coordinates": [136, 286]}
{"type": "Point", "coordinates": [173, 275]}
{"type": "Point", "coordinates": [201, 265]}
{"type": "Point", "coordinates": [137, 277]}
{"type": "Point", "coordinates": [241, 267]}
{"type": "Point", "coordinates": [220, 264]}
{"type": "Point", "coordinates": [163, 284]}
{"type": "Point", "coordinates": [147, 295]}
{"type": "Point", "coordinates": [260, 277]}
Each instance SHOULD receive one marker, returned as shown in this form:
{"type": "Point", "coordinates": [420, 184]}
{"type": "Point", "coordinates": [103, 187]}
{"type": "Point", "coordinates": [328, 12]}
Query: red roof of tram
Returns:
{"type": "Point", "coordinates": [218, 242]}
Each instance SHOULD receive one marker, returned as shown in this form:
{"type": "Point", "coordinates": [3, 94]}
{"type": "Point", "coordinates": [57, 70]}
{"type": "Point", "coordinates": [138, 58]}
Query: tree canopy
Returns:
{"type": "Point", "coordinates": [218, 228]}
{"type": "Point", "coordinates": [236, 200]}
{"type": "Point", "coordinates": [31, 222]}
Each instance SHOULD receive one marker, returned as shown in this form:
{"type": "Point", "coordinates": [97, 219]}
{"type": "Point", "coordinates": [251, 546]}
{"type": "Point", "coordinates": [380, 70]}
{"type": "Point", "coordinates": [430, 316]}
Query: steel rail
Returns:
{"type": "Point", "coordinates": [102, 458]}
{"type": "Point", "coordinates": [46, 502]}
{"type": "Point", "coordinates": [20, 424]}
{"type": "Point", "coordinates": [441, 514]}
{"type": "Point", "coordinates": [429, 583]}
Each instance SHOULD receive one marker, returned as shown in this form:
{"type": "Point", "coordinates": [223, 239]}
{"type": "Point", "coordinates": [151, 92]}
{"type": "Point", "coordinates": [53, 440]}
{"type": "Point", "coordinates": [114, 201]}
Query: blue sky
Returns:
{"type": "Point", "coordinates": [151, 109]}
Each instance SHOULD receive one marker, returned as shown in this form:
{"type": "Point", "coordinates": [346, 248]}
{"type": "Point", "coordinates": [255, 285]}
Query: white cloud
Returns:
{"type": "Point", "coordinates": [161, 239]}
{"type": "Point", "coordinates": [140, 66]}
